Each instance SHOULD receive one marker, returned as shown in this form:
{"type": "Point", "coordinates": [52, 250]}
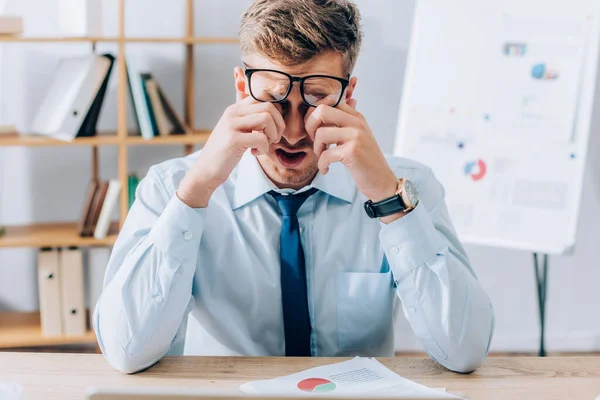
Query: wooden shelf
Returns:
{"type": "Point", "coordinates": [94, 39]}
{"type": "Point", "coordinates": [186, 40]}
{"type": "Point", "coordinates": [39, 140]}
{"type": "Point", "coordinates": [52, 235]}
{"type": "Point", "coordinates": [195, 138]}
{"type": "Point", "coordinates": [102, 140]}
{"type": "Point", "coordinates": [24, 330]}
{"type": "Point", "coordinates": [39, 39]}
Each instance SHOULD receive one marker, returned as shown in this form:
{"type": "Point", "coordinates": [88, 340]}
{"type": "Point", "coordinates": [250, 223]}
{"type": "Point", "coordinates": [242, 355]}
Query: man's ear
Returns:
{"type": "Point", "coordinates": [240, 84]}
{"type": "Point", "coordinates": [350, 88]}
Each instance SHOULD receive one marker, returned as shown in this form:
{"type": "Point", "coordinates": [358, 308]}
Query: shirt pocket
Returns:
{"type": "Point", "coordinates": [364, 308]}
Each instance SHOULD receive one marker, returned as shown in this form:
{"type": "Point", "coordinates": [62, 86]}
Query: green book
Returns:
{"type": "Point", "coordinates": [132, 183]}
{"type": "Point", "coordinates": [2, 230]}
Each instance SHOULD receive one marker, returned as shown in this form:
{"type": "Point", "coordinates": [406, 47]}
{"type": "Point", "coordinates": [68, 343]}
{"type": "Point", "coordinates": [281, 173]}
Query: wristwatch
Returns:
{"type": "Point", "coordinates": [404, 200]}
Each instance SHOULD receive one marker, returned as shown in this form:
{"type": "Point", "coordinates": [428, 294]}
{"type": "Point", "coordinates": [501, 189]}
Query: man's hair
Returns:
{"type": "Point", "coordinates": [292, 32]}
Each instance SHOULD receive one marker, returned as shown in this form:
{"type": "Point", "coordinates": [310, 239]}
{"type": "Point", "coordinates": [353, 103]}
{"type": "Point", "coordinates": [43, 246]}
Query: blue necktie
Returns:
{"type": "Point", "coordinates": [296, 321]}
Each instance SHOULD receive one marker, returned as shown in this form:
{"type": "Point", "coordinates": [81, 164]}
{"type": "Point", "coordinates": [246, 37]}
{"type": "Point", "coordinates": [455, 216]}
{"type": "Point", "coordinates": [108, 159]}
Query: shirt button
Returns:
{"type": "Point", "coordinates": [413, 310]}
{"type": "Point", "coordinates": [157, 298]}
{"type": "Point", "coordinates": [395, 250]}
{"type": "Point", "coordinates": [188, 235]}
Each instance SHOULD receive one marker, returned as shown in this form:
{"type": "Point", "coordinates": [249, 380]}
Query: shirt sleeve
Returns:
{"type": "Point", "coordinates": [142, 312]}
{"type": "Point", "coordinates": [441, 297]}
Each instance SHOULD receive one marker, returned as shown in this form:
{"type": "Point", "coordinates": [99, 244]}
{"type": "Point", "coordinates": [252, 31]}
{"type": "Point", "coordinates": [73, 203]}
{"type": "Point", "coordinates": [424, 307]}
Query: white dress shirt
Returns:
{"type": "Point", "coordinates": [207, 281]}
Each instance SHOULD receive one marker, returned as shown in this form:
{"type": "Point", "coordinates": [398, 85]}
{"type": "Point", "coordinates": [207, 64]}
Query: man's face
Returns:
{"type": "Point", "coordinates": [292, 163]}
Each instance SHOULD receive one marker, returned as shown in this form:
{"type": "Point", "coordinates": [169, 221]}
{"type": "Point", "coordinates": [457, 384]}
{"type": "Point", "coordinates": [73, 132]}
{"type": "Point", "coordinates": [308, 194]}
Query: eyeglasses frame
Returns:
{"type": "Point", "coordinates": [249, 71]}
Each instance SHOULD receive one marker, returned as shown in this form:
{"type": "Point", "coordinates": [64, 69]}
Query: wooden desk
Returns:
{"type": "Point", "coordinates": [67, 376]}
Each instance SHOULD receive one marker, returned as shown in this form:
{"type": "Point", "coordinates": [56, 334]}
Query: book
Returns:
{"type": "Point", "coordinates": [160, 123]}
{"type": "Point", "coordinates": [179, 126]}
{"type": "Point", "coordinates": [85, 222]}
{"type": "Point", "coordinates": [11, 25]}
{"type": "Point", "coordinates": [108, 205]}
{"type": "Point", "coordinates": [132, 183]}
{"type": "Point", "coordinates": [138, 98]}
{"type": "Point", "coordinates": [7, 130]}
{"type": "Point", "coordinates": [154, 113]}
{"type": "Point", "coordinates": [90, 219]}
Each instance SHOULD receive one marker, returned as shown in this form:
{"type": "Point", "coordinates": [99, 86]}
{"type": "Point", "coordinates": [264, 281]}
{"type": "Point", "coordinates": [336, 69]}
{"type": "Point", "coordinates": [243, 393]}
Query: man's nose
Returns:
{"type": "Point", "coordinates": [294, 118]}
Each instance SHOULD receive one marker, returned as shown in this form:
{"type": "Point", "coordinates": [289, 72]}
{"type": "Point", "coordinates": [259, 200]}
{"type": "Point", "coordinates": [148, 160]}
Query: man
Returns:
{"type": "Point", "coordinates": [290, 233]}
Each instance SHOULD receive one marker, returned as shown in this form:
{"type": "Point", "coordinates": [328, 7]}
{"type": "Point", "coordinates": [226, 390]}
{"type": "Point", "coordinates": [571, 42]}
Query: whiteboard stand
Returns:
{"type": "Point", "coordinates": [541, 278]}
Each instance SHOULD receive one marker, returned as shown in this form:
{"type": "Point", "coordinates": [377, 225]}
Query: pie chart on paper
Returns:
{"type": "Point", "coordinates": [316, 385]}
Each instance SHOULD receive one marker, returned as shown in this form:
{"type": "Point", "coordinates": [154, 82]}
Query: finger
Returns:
{"type": "Point", "coordinates": [330, 156]}
{"type": "Point", "coordinates": [254, 140]}
{"type": "Point", "coordinates": [328, 116]}
{"type": "Point", "coordinates": [261, 122]}
{"type": "Point", "coordinates": [352, 103]}
{"type": "Point", "coordinates": [258, 107]}
{"type": "Point", "coordinates": [349, 106]}
{"type": "Point", "coordinates": [326, 136]}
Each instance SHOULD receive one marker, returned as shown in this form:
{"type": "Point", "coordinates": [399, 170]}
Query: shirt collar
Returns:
{"type": "Point", "coordinates": [252, 182]}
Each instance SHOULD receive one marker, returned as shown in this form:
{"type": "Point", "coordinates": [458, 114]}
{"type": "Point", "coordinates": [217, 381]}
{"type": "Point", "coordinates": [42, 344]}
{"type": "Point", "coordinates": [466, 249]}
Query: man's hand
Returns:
{"type": "Point", "coordinates": [247, 124]}
{"type": "Point", "coordinates": [356, 148]}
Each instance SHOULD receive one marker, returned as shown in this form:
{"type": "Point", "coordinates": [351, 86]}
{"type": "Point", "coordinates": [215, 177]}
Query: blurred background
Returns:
{"type": "Point", "coordinates": [48, 184]}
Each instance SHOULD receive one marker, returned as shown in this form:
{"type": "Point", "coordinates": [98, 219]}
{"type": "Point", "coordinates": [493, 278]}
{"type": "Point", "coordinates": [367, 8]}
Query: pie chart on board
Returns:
{"type": "Point", "coordinates": [316, 385]}
{"type": "Point", "coordinates": [475, 170]}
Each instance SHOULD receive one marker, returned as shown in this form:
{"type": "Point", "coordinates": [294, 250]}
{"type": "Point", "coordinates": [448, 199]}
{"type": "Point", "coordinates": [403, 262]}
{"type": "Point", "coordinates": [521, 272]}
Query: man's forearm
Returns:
{"type": "Point", "coordinates": [443, 301]}
{"type": "Point", "coordinates": [147, 300]}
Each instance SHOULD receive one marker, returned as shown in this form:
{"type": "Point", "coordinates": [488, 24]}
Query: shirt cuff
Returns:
{"type": "Point", "coordinates": [411, 240]}
{"type": "Point", "coordinates": [178, 230]}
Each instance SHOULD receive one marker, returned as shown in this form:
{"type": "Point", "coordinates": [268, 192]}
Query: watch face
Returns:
{"type": "Point", "coordinates": [411, 192]}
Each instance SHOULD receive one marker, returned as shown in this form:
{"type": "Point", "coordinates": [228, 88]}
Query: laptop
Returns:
{"type": "Point", "coordinates": [199, 394]}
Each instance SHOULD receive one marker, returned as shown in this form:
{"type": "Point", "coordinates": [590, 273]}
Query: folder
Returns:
{"type": "Point", "coordinates": [72, 291]}
{"type": "Point", "coordinates": [49, 275]}
{"type": "Point", "coordinates": [97, 261]}
{"type": "Point", "coordinates": [70, 96]}
{"type": "Point", "coordinates": [110, 202]}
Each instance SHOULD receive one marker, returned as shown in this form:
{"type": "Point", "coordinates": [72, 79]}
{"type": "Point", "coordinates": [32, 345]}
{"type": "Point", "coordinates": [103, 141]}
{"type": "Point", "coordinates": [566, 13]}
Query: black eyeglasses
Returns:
{"type": "Point", "coordinates": [269, 85]}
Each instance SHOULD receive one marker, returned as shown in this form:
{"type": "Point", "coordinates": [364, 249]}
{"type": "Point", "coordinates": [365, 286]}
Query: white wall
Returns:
{"type": "Point", "coordinates": [49, 184]}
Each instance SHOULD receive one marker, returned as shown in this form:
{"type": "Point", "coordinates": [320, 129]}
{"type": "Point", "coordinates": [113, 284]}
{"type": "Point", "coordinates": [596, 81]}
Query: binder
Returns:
{"type": "Point", "coordinates": [49, 275]}
{"type": "Point", "coordinates": [97, 261]}
{"type": "Point", "coordinates": [72, 292]}
{"type": "Point", "coordinates": [88, 126]}
{"type": "Point", "coordinates": [70, 96]}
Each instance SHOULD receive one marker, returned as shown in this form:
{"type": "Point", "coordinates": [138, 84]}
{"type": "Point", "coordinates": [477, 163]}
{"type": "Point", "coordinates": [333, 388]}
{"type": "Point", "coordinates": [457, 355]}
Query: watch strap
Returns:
{"type": "Point", "coordinates": [386, 207]}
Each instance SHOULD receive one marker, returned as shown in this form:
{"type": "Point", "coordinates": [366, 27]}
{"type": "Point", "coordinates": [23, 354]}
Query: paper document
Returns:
{"type": "Point", "coordinates": [10, 391]}
{"type": "Point", "coordinates": [356, 377]}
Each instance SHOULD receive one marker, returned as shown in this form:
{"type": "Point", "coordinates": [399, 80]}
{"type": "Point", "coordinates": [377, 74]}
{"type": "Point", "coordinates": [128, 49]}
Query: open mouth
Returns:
{"type": "Point", "coordinates": [290, 159]}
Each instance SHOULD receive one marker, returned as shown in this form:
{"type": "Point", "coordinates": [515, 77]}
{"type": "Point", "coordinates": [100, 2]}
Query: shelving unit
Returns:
{"type": "Point", "coordinates": [23, 329]}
